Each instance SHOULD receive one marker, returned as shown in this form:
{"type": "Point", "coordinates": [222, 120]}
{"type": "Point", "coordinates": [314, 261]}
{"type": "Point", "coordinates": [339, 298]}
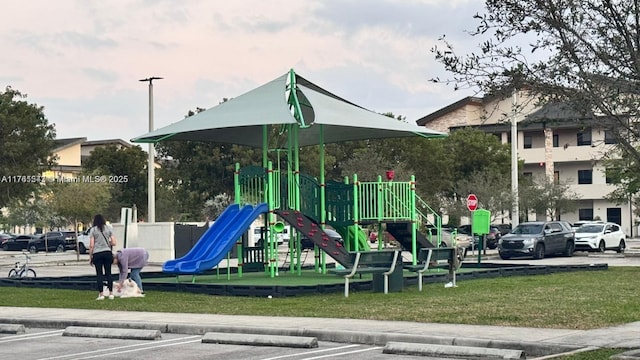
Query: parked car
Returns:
{"type": "Point", "coordinates": [83, 241]}
{"type": "Point", "coordinates": [538, 239]}
{"type": "Point", "coordinates": [58, 241]}
{"type": "Point", "coordinates": [5, 237]}
{"type": "Point", "coordinates": [600, 236]}
{"type": "Point", "coordinates": [504, 228]}
{"type": "Point", "coordinates": [462, 240]}
{"type": "Point", "coordinates": [491, 238]}
{"type": "Point", "coordinates": [577, 224]}
{"type": "Point", "coordinates": [18, 243]}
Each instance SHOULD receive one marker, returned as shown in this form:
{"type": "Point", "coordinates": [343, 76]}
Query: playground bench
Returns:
{"type": "Point", "coordinates": [429, 257]}
{"type": "Point", "coordinates": [370, 262]}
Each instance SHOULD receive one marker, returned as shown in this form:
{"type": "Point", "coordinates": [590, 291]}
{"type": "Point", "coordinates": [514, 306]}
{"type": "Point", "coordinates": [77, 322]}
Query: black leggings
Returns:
{"type": "Point", "coordinates": [102, 261]}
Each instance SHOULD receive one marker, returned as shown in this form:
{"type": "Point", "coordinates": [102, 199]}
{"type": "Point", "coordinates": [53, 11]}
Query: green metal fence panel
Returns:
{"type": "Point", "coordinates": [385, 201]}
{"type": "Point", "coordinates": [310, 196]}
{"type": "Point", "coordinates": [339, 203]}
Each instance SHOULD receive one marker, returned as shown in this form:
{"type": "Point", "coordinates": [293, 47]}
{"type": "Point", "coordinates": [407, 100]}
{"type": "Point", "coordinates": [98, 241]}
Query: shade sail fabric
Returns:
{"type": "Point", "coordinates": [241, 119]}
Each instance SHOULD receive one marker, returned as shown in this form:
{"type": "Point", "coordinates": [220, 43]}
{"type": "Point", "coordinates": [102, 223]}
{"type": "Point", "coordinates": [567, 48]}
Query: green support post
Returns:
{"type": "Point", "coordinates": [237, 198]}
{"type": "Point", "coordinates": [414, 220]}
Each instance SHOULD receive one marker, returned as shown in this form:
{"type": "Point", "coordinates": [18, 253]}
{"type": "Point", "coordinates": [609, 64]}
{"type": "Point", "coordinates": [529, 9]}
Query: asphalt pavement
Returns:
{"type": "Point", "coordinates": [403, 337]}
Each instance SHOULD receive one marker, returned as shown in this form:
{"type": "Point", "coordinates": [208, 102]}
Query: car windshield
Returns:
{"type": "Point", "coordinates": [528, 229]}
{"type": "Point", "coordinates": [590, 229]}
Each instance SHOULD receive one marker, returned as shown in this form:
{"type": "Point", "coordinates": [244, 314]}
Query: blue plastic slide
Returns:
{"type": "Point", "coordinates": [218, 240]}
{"type": "Point", "coordinates": [206, 240]}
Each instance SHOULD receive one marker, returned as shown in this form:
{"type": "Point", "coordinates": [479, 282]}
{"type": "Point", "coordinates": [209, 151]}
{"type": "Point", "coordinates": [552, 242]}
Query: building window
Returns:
{"type": "Point", "coordinates": [585, 214]}
{"type": "Point", "coordinates": [556, 177]}
{"type": "Point", "coordinates": [584, 138]}
{"type": "Point", "coordinates": [608, 178]}
{"type": "Point", "coordinates": [609, 138]}
{"type": "Point", "coordinates": [528, 142]}
{"type": "Point", "coordinates": [585, 176]}
{"type": "Point", "coordinates": [556, 140]}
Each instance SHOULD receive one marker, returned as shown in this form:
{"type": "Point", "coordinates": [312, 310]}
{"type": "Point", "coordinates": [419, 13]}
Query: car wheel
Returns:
{"type": "Point", "coordinates": [33, 249]}
{"type": "Point", "coordinates": [601, 246]}
{"type": "Point", "coordinates": [504, 257]}
{"type": "Point", "coordinates": [538, 252]}
{"type": "Point", "coordinates": [5, 247]}
{"type": "Point", "coordinates": [568, 249]}
{"type": "Point", "coordinates": [621, 246]}
{"type": "Point", "coordinates": [60, 248]}
{"type": "Point", "coordinates": [82, 249]}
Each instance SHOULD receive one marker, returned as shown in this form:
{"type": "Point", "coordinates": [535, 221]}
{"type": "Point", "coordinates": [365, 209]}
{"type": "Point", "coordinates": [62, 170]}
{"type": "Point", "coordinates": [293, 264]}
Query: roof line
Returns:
{"type": "Point", "coordinates": [474, 100]}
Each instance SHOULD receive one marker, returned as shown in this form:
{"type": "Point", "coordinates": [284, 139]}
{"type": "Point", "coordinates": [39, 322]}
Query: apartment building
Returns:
{"type": "Point", "coordinates": [551, 143]}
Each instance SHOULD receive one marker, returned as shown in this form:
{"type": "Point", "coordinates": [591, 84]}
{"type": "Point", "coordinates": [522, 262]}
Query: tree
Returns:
{"type": "Point", "coordinates": [546, 197]}
{"type": "Point", "coordinates": [583, 54]}
{"type": "Point", "coordinates": [27, 143]}
{"type": "Point", "coordinates": [79, 201]}
{"type": "Point", "coordinates": [493, 190]}
{"type": "Point", "coordinates": [214, 207]}
{"type": "Point", "coordinates": [128, 167]}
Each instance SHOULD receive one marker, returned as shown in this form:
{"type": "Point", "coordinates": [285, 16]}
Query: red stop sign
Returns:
{"type": "Point", "coordinates": [472, 202]}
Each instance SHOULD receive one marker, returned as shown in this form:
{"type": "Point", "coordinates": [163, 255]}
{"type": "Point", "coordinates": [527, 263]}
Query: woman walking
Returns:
{"type": "Point", "coordinates": [101, 241]}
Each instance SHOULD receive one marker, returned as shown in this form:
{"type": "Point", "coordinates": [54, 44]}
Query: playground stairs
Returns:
{"type": "Point", "coordinates": [401, 231]}
{"type": "Point", "coordinates": [311, 230]}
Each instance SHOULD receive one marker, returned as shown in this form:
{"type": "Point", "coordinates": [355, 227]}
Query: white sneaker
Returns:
{"type": "Point", "coordinates": [111, 297]}
{"type": "Point", "coordinates": [101, 297]}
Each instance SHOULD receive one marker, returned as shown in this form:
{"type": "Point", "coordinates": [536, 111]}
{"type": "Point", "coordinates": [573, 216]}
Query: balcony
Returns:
{"type": "Point", "coordinates": [591, 191]}
{"type": "Point", "coordinates": [560, 154]}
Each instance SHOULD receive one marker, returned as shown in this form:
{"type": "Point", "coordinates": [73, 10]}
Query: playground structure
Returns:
{"type": "Point", "coordinates": [306, 115]}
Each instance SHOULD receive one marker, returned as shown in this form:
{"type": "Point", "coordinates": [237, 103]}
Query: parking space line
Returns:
{"type": "Point", "coordinates": [128, 348]}
{"type": "Point", "coordinates": [343, 353]}
{"type": "Point", "coordinates": [31, 336]}
{"type": "Point", "coordinates": [311, 352]}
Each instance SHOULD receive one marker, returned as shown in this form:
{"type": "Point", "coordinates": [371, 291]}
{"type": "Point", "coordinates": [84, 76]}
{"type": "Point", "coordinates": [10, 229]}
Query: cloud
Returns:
{"type": "Point", "coordinates": [82, 59]}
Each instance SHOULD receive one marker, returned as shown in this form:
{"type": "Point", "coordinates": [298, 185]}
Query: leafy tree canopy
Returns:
{"type": "Point", "coordinates": [127, 166]}
{"type": "Point", "coordinates": [583, 54]}
{"type": "Point", "coordinates": [27, 143]}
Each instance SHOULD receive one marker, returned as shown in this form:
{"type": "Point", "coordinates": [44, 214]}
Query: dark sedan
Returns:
{"type": "Point", "coordinates": [19, 243]}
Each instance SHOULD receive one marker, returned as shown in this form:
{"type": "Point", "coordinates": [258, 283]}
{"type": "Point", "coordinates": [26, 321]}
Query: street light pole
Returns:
{"type": "Point", "coordinates": [515, 211]}
{"type": "Point", "coordinates": [151, 193]}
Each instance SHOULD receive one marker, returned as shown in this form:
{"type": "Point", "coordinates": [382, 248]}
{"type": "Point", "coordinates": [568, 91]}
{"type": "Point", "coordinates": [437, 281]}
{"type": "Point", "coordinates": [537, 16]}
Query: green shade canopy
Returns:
{"type": "Point", "coordinates": [241, 119]}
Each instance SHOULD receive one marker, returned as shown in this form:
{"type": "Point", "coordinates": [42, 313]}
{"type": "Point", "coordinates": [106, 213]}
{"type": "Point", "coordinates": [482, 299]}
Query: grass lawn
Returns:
{"type": "Point", "coordinates": [571, 300]}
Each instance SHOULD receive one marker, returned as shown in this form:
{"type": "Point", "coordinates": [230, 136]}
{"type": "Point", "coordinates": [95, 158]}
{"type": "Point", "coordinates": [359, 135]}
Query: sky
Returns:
{"type": "Point", "coordinates": [82, 60]}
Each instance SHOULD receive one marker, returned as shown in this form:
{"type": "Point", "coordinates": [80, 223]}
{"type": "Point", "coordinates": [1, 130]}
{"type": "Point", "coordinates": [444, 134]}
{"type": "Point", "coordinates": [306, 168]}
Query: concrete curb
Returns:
{"type": "Point", "coordinates": [112, 333]}
{"type": "Point", "coordinates": [466, 352]}
{"type": "Point", "coordinates": [12, 329]}
{"type": "Point", "coordinates": [260, 340]}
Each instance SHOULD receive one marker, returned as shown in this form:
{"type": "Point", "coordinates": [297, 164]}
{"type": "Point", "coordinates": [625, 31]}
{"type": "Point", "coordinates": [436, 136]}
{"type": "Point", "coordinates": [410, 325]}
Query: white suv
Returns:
{"type": "Point", "coordinates": [83, 241]}
{"type": "Point", "coordinates": [600, 236]}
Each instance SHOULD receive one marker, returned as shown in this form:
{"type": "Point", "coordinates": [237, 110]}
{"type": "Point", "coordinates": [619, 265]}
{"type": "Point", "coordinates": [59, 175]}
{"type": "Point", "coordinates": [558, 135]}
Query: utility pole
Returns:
{"type": "Point", "coordinates": [515, 211]}
{"type": "Point", "coordinates": [151, 193]}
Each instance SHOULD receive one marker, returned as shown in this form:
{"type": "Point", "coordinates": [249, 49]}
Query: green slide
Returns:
{"type": "Point", "coordinates": [350, 235]}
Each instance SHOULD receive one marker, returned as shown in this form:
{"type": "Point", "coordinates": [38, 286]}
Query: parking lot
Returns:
{"type": "Point", "coordinates": [50, 344]}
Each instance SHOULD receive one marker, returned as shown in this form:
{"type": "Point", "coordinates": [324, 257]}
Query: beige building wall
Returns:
{"type": "Point", "coordinates": [555, 154]}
